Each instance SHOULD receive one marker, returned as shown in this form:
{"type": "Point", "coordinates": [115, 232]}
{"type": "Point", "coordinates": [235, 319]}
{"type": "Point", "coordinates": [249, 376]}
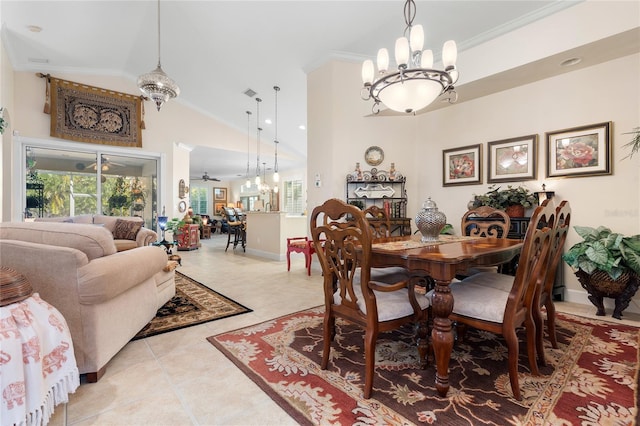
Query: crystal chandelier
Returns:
{"type": "Point", "coordinates": [157, 85]}
{"type": "Point", "coordinates": [248, 183]}
{"type": "Point", "coordinates": [416, 83]}
{"type": "Point", "coordinates": [258, 130]}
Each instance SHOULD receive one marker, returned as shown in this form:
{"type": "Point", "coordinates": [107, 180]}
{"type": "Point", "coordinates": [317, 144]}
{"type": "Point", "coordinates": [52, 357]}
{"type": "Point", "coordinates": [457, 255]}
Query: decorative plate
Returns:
{"type": "Point", "coordinates": [182, 206]}
{"type": "Point", "coordinates": [374, 155]}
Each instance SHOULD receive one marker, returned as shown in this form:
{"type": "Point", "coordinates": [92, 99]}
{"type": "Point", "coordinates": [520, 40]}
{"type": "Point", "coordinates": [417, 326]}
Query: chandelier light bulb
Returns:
{"type": "Point", "coordinates": [257, 180]}
{"type": "Point", "coordinates": [275, 189]}
{"type": "Point", "coordinates": [449, 54]}
{"type": "Point", "coordinates": [367, 72]}
{"type": "Point", "coordinates": [383, 60]}
{"type": "Point", "coordinates": [416, 38]}
{"type": "Point", "coordinates": [248, 183]}
{"type": "Point", "coordinates": [427, 59]}
{"type": "Point", "coordinates": [402, 52]}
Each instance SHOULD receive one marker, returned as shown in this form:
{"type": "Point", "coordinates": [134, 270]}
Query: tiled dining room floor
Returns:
{"type": "Point", "coordinates": [178, 378]}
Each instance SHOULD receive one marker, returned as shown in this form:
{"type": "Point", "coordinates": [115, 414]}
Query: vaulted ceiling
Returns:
{"type": "Point", "coordinates": [216, 50]}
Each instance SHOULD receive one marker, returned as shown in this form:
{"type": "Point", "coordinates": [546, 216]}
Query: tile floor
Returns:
{"type": "Point", "coordinates": [178, 378]}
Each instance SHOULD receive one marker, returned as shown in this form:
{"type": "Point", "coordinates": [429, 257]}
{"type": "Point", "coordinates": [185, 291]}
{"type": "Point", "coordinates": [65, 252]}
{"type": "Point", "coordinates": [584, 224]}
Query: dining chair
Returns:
{"type": "Point", "coordinates": [379, 221]}
{"type": "Point", "coordinates": [349, 291]}
{"type": "Point", "coordinates": [544, 298]}
{"type": "Point", "coordinates": [501, 303]}
{"type": "Point", "coordinates": [485, 221]}
{"type": "Point", "coordinates": [380, 224]}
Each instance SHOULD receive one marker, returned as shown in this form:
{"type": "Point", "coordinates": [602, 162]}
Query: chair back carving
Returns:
{"type": "Point", "coordinates": [345, 231]}
{"type": "Point", "coordinates": [494, 223]}
{"type": "Point", "coordinates": [378, 221]}
{"type": "Point", "coordinates": [559, 236]}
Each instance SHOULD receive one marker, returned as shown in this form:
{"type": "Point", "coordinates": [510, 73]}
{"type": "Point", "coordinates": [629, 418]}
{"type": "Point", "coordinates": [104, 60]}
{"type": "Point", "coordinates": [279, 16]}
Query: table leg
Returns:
{"type": "Point", "coordinates": [442, 334]}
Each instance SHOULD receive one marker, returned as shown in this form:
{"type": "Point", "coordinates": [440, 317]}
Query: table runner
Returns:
{"type": "Point", "coordinates": [37, 362]}
{"type": "Point", "coordinates": [411, 244]}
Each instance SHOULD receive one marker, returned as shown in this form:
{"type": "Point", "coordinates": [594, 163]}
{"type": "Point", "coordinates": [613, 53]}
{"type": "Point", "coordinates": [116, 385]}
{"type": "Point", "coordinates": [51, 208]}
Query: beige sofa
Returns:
{"type": "Point", "coordinates": [106, 296]}
{"type": "Point", "coordinates": [117, 225]}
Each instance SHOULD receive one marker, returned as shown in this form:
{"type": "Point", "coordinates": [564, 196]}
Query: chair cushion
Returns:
{"type": "Point", "coordinates": [483, 296]}
{"type": "Point", "coordinates": [390, 305]}
{"type": "Point", "coordinates": [389, 275]}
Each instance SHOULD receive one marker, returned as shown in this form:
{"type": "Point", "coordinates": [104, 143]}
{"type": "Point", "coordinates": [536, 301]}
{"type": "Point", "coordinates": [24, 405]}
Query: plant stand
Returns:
{"type": "Point", "coordinates": [600, 285]}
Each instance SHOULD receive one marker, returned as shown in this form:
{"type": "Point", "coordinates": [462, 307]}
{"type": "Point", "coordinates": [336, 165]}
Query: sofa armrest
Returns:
{"type": "Point", "coordinates": [145, 237]}
{"type": "Point", "coordinates": [106, 277]}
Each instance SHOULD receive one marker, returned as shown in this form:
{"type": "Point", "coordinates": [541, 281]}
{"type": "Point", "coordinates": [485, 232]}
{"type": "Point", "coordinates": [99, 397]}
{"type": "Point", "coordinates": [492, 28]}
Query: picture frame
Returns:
{"type": "Point", "coordinates": [579, 151]}
{"type": "Point", "coordinates": [220, 194]}
{"type": "Point", "coordinates": [462, 166]}
{"type": "Point", "coordinates": [218, 206]}
{"type": "Point", "coordinates": [512, 160]}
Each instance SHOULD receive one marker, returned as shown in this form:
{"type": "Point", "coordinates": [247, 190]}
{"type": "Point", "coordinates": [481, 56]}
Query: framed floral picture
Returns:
{"type": "Point", "coordinates": [579, 151]}
{"type": "Point", "coordinates": [462, 166]}
{"type": "Point", "coordinates": [512, 160]}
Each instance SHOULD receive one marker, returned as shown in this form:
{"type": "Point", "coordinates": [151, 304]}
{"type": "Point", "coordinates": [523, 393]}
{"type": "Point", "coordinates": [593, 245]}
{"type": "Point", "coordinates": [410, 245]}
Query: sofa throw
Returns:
{"type": "Point", "coordinates": [126, 229]}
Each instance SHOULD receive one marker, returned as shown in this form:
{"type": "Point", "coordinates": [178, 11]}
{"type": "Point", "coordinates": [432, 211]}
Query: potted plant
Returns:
{"type": "Point", "coordinates": [634, 145]}
{"type": "Point", "coordinates": [513, 200]}
{"type": "Point", "coordinates": [607, 264]}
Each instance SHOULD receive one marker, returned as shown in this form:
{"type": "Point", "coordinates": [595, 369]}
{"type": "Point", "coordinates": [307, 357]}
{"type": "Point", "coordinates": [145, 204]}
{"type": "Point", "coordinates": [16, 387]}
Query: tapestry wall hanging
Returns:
{"type": "Point", "coordinates": [85, 113]}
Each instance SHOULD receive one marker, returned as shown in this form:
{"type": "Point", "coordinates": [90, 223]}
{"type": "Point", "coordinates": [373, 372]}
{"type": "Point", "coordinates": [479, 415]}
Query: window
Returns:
{"type": "Point", "coordinates": [293, 202]}
{"type": "Point", "coordinates": [199, 200]}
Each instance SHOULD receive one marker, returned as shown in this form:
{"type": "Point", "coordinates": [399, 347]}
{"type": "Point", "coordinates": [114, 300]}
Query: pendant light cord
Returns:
{"type": "Point", "coordinates": [275, 166]}
{"type": "Point", "coordinates": [159, 34]}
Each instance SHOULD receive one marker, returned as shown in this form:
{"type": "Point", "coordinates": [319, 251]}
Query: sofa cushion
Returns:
{"type": "Point", "coordinates": [93, 241]}
{"type": "Point", "coordinates": [122, 245]}
{"type": "Point", "coordinates": [126, 229]}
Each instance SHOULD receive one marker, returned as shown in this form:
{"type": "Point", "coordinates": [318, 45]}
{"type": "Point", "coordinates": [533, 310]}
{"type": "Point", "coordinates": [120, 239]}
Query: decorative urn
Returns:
{"type": "Point", "coordinates": [430, 221]}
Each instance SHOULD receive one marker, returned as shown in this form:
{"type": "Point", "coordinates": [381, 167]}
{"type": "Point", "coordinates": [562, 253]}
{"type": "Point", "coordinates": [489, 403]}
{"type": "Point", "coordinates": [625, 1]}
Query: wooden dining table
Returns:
{"type": "Point", "coordinates": [442, 260]}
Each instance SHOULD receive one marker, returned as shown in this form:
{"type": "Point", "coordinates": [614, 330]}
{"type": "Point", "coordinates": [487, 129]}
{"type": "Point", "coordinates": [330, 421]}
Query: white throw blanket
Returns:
{"type": "Point", "coordinates": [37, 364]}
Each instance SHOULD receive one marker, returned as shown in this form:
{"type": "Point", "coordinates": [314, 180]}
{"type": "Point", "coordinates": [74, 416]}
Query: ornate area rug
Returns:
{"type": "Point", "coordinates": [592, 379]}
{"type": "Point", "coordinates": [194, 303]}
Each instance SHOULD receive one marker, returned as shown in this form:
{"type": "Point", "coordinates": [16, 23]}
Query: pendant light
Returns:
{"type": "Point", "coordinates": [276, 176]}
{"type": "Point", "coordinates": [157, 85]}
{"type": "Point", "coordinates": [258, 100]}
{"type": "Point", "coordinates": [248, 183]}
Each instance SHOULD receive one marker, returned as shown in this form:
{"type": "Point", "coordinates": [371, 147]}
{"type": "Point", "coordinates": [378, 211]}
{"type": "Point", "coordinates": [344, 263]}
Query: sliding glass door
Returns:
{"type": "Point", "coordinates": [64, 182]}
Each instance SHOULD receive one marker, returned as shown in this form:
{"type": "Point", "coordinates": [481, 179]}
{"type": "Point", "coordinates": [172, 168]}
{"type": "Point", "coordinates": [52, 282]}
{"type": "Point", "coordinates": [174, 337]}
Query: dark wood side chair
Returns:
{"type": "Point", "coordinates": [502, 303]}
{"type": "Point", "coordinates": [545, 296]}
{"type": "Point", "coordinates": [374, 306]}
{"type": "Point", "coordinates": [485, 221]}
{"type": "Point", "coordinates": [379, 221]}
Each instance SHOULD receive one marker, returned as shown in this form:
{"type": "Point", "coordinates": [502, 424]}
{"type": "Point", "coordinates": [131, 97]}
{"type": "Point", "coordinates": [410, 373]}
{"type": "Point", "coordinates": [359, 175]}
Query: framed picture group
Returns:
{"type": "Point", "coordinates": [574, 152]}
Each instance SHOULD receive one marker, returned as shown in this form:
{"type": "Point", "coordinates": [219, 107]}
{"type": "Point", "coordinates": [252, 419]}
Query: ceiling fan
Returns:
{"type": "Point", "coordinates": [205, 177]}
{"type": "Point", "coordinates": [106, 164]}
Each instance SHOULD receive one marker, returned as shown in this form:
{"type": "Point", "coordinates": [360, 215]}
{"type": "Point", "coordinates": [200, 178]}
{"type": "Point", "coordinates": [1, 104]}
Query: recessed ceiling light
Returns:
{"type": "Point", "coordinates": [302, 127]}
{"type": "Point", "coordinates": [34, 28]}
{"type": "Point", "coordinates": [570, 62]}
{"type": "Point", "coordinates": [268, 121]}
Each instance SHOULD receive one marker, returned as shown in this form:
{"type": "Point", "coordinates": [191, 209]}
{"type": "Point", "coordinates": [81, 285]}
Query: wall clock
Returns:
{"type": "Point", "coordinates": [374, 155]}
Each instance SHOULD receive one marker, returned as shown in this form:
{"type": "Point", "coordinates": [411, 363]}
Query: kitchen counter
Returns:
{"type": "Point", "coordinates": [267, 233]}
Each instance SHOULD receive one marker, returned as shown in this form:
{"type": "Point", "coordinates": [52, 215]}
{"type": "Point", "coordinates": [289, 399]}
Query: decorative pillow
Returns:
{"type": "Point", "coordinates": [126, 229]}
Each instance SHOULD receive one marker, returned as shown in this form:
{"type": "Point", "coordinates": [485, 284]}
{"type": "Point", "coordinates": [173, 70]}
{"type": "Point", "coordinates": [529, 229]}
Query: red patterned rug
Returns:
{"type": "Point", "coordinates": [592, 379]}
